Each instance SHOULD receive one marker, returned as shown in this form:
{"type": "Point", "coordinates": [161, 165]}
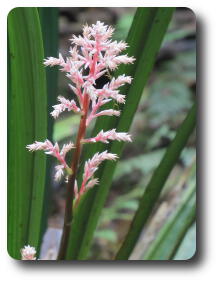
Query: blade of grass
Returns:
{"type": "Point", "coordinates": [156, 184]}
{"type": "Point", "coordinates": [145, 37]}
{"type": "Point", "coordinates": [27, 121]}
{"type": "Point", "coordinates": [49, 27]}
{"type": "Point", "coordinates": [188, 246]}
{"type": "Point", "coordinates": [172, 233]}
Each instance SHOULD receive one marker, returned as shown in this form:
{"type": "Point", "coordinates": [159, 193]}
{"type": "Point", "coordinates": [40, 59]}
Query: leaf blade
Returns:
{"type": "Point", "coordinates": [170, 236]}
{"type": "Point", "coordinates": [156, 184]}
{"type": "Point", "coordinates": [49, 26]}
{"type": "Point", "coordinates": [27, 94]}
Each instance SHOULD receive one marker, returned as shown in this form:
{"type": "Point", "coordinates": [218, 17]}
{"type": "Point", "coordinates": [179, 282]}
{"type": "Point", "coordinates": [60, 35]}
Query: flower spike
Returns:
{"type": "Point", "coordinates": [92, 55]}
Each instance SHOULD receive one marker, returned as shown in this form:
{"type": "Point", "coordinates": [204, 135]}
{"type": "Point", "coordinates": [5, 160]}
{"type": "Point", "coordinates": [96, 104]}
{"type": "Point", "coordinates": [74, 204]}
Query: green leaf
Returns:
{"type": "Point", "coordinates": [156, 184]}
{"type": "Point", "coordinates": [172, 233]}
{"type": "Point", "coordinates": [49, 26]}
{"type": "Point", "coordinates": [187, 247]}
{"type": "Point", "coordinates": [144, 40]}
{"type": "Point", "coordinates": [27, 122]}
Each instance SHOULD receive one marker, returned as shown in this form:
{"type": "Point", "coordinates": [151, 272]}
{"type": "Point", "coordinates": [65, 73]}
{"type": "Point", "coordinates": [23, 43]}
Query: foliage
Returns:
{"type": "Point", "coordinates": [49, 27]}
{"type": "Point", "coordinates": [156, 184]}
{"type": "Point", "coordinates": [153, 114]}
{"type": "Point", "coordinates": [187, 248]}
{"type": "Point", "coordinates": [170, 236]}
{"type": "Point", "coordinates": [27, 120]}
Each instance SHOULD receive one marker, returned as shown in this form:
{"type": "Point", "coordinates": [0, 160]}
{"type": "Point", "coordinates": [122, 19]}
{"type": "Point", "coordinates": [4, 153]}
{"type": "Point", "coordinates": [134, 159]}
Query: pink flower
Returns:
{"type": "Point", "coordinates": [91, 167]}
{"type": "Point", "coordinates": [51, 61]}
{"type": "Point", "coordinates": [109, 135]}
{"type": "Point", "coordinates": [115, 47]}
{"type": "Point", "coordinates": [59, 172]}
{"type": "Point", "coordinates": [28, 253]}
{"type": "Point", "coordinates": [94, 53]}
{"type": "Point", "coordinates": [112, 62]}
{"type": "Point", "coordinates": [118, 82]}
{"type": "Point", "coordinates": [54, 150]}
{"type": "Point", "coordinates": [65, 104]}
{"type": "Point", "coordinates": [46, 146]}
{"type": "Point", "coordinates": [51, 149]}
{"type": "Point", "coordinates": [108, 112]}
{"type": "Point", "coordinates": [97, 53]}
{"type": "Point", "coordinates": [93, 182]}
{"type": "Point", "coordinates": [66, 148]}
{"type": "Point", "coordinates": [78, 92]}
{"type": "Point", "coordinates": [76, 76]}
{"type": "Point", "coordinates": [92, 164]}
{"type": "Point", "coordinates": [106, 93]}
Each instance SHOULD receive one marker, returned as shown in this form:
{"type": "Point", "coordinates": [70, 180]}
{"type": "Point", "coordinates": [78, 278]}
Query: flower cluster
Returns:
{"type": "Point", "coordinates": [93, 54]}
{"type": "Point", "coordinates": [28, 253]}
{"type": "Point", "coordinates": [54, 150]}
{"type": "Point", "coordinates": [64, 104]}
{"type": "Point", "coordinates": [90, 168]}
{"type": "Point", "coordinates": [109, 135]}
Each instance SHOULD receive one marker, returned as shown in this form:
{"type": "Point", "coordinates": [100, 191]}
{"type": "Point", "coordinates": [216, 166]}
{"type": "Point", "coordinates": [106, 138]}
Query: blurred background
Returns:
{"type": "Point", "coordinates": [166, 99]}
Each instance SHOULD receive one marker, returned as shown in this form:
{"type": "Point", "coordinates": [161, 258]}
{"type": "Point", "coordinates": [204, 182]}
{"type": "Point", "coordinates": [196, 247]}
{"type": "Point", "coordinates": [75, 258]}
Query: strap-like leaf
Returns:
{"type": "Point", "coordinates": [156, 184]}
{"type": "Point", "coordinates": [172, 233]}
{"type": "Point", "coordinates": [49, 27]}
{"type": "Point", "coordinates": [27, 121]}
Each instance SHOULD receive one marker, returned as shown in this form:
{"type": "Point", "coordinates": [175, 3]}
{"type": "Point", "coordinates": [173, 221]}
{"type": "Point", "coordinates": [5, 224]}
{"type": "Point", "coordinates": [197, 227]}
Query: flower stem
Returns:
{"type": "Point", "coordinates": [70, 187]}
